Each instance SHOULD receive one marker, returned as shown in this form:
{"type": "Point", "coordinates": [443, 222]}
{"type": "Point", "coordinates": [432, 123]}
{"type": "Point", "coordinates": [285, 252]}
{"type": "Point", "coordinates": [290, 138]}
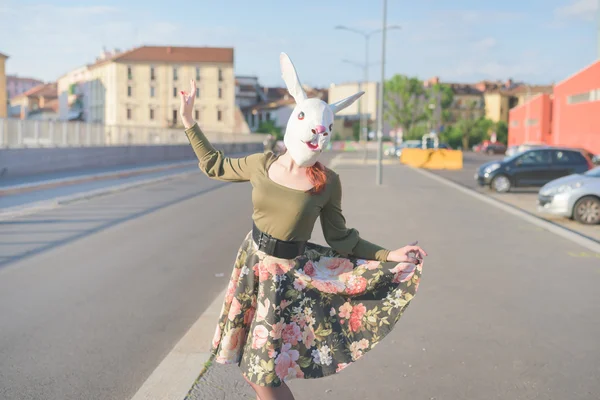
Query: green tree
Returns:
{"type": "Point", "coordinates": [502, 132]}
{"type": "Point", "coordinates": [442, 96]}
{"type": "Point", "coordinates": [270, 127]}
{"type": "Point", "coordinates": [404, 102]}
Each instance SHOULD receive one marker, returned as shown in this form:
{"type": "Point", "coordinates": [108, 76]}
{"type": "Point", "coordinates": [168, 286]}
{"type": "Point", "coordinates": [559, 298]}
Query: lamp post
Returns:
{"type": "Point", "coordinates": [379, 176]}
{"type": "Point", "coordinates": [367, 35]}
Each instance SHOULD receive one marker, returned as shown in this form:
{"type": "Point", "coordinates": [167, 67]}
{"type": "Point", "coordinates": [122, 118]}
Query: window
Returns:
{"type": "Point", "coordinates": [219, 115]}
{"type": "Point", "coordinates": [220, 93]}
{"type": "Point", "coordinates": [174, 73]}
{"type": "Point", "coordinates": [268, 117]}
{"type": "Point", "coordinates": [151, 114]}
{"type": "Point", "coordinates": [152, 91]}
{"type": "Point", "coordinates": [592, 95]}
{"type": "Point", "coordinates": [129, 72]}
{"type": "Point", "coordinates": [129, 90]}
{"type": "Point", "coordinates": [197, 92]}
{"type": "Point", "coordinates": [568, 157]}
{"type": "Point", "coordinates": [531, 122]}
{"type": "Point", "coordinates": [514, 123]}
{"type": "Point", "coordinates": [129, 113]}
{"type": "Point", "coordinates": [220, 75]}
{"type": "Point", "coordinates": [196, 115]}
{"type": "Point", "coordinates": [535, 157]}
{"type": "Point", "coordinates": [152, 74]}
{"type": "Point", "coordinates": [197, 73]}
{"type": "Point", "coordinates": [174, 92]}
{"type": "Point", "coordinates": [174, 117]}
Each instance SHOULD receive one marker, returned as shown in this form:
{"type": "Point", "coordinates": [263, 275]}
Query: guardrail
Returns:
{"type": "Point", "coordinates": [17, 133]}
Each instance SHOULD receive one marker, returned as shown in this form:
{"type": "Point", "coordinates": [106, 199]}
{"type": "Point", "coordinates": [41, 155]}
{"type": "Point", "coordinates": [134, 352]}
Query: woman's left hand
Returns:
{"type": "Point", "coordinates": [412, 254]}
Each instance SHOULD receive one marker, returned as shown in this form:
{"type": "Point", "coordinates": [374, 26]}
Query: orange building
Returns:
{"type": "Point", "coordinates": [569, 117]}
{"type": "Point", "coordinates": [576, 121]}
{"type": "Point", "coordinates": [531, 122]}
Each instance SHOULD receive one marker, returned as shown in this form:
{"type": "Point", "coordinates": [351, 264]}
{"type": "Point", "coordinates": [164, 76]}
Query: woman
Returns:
{"type": "Point", "coordinates": [294, 309]}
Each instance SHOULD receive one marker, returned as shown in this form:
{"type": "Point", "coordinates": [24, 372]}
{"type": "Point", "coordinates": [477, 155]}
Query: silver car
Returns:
{"type": "Point", "coordinates": [574, 196]}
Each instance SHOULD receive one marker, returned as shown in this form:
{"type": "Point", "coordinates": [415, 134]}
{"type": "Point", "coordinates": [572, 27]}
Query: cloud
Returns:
{"type": "Point", "coordinates": [473, 17]}
{"type": "Point", "coordinates": [578, 9]}
{"type": "Point", "coordinates": [485, 44]}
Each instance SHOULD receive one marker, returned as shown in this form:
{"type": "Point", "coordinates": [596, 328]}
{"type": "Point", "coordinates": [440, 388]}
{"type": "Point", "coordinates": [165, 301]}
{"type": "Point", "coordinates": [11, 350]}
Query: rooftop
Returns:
{"type": "Point", "coordinates": [171, 54]}
{"type": "Point", "coordinates": [44, 90]}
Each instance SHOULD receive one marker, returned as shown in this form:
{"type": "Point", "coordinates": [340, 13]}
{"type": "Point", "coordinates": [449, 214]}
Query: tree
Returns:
{"type": "Point", "coordinates": [502, 132]}
{"type": "Point", "coordinates": [270, 127]}
{"type": "Point", "coordinates": [467, 125]}
{"type": "Point", "coordinates": [405, 100]}
{"type": "Point", "coordinates": [442, 96]}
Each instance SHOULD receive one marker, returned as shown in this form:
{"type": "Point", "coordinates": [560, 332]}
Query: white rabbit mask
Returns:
{"type": "Point", "coordinates": [310, 126]}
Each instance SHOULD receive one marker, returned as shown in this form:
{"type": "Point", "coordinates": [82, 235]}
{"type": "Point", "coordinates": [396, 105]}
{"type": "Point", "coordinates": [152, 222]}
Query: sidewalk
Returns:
{"type": "Point", "coordinates": [489, 320]}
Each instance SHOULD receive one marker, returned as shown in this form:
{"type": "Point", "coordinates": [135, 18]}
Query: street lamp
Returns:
{"type": "Point", "coordinates": [367, 35]}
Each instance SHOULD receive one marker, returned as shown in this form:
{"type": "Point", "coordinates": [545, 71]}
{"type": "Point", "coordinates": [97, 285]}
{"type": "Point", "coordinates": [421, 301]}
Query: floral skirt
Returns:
{"type": "Point", "coordinates": [308, 317]}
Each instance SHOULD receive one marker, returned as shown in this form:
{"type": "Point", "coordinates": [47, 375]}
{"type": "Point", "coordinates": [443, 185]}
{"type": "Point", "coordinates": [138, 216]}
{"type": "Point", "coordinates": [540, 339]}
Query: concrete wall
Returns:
{"type": "Point", "coordinates": [22, 162]}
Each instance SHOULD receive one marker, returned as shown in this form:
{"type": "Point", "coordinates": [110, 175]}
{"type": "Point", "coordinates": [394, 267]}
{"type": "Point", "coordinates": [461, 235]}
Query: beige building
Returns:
{"type": "Point", "coordinates": [3, 99]}
{"type": "Point", "coordinates": [140, 88]}
{"type": "Point", "coordinates": [366, 104]}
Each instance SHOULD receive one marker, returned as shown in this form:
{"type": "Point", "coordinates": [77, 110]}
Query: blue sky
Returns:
{"type": "Point", "coordinates": [539, 41]}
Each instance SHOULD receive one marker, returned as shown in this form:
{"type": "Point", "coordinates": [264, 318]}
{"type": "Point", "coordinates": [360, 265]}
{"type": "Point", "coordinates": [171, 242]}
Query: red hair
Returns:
{"type": "Point", "coordinates": [317, 176]}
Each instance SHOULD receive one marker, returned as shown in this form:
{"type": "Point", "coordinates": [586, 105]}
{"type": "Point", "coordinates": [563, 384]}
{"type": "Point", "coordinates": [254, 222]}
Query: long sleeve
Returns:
{"type": "Point", "coordinates": [215, 164]}
{"type": "Point", "coordinates": [342, 239]}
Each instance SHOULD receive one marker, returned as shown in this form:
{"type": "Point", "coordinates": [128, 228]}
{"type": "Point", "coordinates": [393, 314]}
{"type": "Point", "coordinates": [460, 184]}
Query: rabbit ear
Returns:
{"type": "Point", "coordinates": [340, 105]}
{"type": "Point", "coordinates": [290, 77]}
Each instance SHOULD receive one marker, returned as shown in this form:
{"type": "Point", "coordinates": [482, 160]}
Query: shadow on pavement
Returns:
{"type": "Point", "coordinates": [42, 246]}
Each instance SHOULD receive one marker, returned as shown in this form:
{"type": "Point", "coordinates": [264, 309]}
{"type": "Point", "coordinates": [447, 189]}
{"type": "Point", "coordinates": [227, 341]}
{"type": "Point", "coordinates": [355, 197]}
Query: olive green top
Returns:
{"type": "Point", "coordinates": [282, 212]}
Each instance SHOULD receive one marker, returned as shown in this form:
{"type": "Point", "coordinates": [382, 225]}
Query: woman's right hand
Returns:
{"type": "Point", "coordinates": [187, 106]}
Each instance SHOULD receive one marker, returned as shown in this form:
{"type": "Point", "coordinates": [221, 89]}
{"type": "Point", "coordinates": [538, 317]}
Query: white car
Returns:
{"type": "Point", "coordinates": [575, 196]}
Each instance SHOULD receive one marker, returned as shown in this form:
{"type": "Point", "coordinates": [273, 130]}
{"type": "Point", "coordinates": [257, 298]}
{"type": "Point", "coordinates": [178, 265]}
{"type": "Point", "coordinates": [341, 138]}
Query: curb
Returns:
{"type": "Point", "coordinates": [33, 208]}
{"type": "Point", "coordinates": [27, 187]}
{"type": "Point", "coordinates": [180, 371]}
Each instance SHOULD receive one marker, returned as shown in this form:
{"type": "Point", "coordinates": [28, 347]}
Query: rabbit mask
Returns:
{"type": "Point", "coordinates": [310, 126]}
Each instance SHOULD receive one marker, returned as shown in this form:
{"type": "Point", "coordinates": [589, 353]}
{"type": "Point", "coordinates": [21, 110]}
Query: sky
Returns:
{"type": "Point", "coordinates": [537, 41]}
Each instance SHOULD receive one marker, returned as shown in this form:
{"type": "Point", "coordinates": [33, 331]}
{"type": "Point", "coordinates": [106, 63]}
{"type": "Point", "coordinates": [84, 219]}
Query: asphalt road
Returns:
{"type": "Point", "coordinates": [523, 198]}
{"type": "Point", "coordinates": [94, 294]}
{"type": "Point", "coordinates": [503, 313]}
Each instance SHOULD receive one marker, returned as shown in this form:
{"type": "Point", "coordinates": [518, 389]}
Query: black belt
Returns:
{"type": "Point", "coordinates": [275, 247]}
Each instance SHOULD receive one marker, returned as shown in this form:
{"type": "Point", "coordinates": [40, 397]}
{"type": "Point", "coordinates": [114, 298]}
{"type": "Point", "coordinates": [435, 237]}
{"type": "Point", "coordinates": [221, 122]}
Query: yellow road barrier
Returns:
{"type": "Point", "coordinates": [432, 158]}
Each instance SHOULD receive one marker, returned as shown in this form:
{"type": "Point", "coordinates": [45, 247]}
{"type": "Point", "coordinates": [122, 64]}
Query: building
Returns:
{"type": "Point", "coordinates": [248, 92]}
{"type": "Point", "coordinates": [531, 122]}
{"type": "Point", "coordinates": [141, 87]}
{"type": "Point", "coordinates": [277, 109]}
{"type": "Point", "coordinates": [40, 102]}
{"type": "Point", "coordinates": [570, 116]}
{"type": "Point", "coordinates": [17, 85]}
{"type": "Point", "coordinates": [3, 99]}
{"type": "Point", "coordinates": [576, 110]}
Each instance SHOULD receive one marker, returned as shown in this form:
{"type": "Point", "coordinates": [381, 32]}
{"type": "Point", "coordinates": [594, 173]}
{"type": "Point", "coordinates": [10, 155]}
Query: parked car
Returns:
{"type": "Point", "coordinates": [493, 148]}
{"type": "Point", "coordinates": [396, 151]}
{"type": "Point", "coordinates": [575, 196]}
{"type": "Point", "coordinates": [532, 168]}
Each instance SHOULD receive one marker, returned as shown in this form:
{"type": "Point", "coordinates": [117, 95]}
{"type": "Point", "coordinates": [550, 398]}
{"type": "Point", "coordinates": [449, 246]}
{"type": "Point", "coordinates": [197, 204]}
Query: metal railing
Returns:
{"type": "Point", "coordinates": [17, 133]}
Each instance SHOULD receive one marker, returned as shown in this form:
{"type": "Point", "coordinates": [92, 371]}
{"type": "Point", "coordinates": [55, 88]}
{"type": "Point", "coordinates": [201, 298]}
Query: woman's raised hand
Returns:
{"type": "Point", "coordinates": [187, 105]}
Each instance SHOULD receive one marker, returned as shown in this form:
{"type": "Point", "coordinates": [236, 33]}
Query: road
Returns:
{"type": "Point", "coordinates": [94, 294]}
{"type": "Point", "coordinates": [523, 198]}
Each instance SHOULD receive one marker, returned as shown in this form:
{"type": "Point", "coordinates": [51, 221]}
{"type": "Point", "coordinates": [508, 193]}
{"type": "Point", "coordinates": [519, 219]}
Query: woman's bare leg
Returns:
{"type": "Point", "coordinates": [282, 392]}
